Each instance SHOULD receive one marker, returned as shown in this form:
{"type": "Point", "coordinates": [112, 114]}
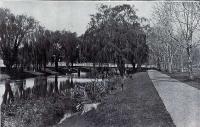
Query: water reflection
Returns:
{"type": "Point", "coordinates": [8, 94]}
{"type": "Point", "coordinates": [40, 87]}
{"type": "Point", "coordinates": [19, 92]}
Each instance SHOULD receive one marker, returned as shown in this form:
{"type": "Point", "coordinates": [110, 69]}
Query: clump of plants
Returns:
{"type": "Point", "coordinates": [35, 112]}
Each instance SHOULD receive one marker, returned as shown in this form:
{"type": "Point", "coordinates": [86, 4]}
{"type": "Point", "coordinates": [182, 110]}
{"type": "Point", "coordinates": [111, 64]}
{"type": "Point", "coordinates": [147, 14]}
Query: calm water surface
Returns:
{"type": "Point", "coordinates": [39, 86]}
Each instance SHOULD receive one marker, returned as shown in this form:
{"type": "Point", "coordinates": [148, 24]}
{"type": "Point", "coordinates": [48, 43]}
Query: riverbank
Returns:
{"type": "Point", "coordinates": [137, 105]}
{"type": "Point", "coordinates": [35, 112]}
{"type": "Point", "coordinates": [46, 102]}
{"type": "Point", "coordinates": [17, 74]}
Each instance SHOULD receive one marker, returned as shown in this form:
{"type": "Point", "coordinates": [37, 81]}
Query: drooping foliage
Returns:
{"type": "Point", "coordinates": [115, 34]}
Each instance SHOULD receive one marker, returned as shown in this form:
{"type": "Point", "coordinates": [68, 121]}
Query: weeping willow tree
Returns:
{"type": "Point", "coordinates": [116, 35]}
{"type": "Point", "coordinates": [13, 30]}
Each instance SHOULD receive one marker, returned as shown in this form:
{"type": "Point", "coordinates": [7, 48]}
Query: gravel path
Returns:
{"type": "Point", "coordinates": [181, 100]}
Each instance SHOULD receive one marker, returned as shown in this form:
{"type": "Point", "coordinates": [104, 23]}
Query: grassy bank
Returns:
{"type": "Point", "coordinates": [35, 112]}
{"type": "Point", "coordinates": [16, 74]}
{"type": "Point", "coordinates": [139, 105]}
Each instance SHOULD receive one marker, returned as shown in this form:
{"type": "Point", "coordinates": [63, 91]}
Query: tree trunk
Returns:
{"type": "Point", "coordinates": [94, 70]}
{"type": "Point", "coordinates": [45, 61]}
{"type": "Point", "coordinates": [79, 72]}
{"type": "Point", "coordinates": [56, 84]}
{"type": "Point", "coordinates": [56, 63]}
{"type": "Point", "coordinates": [170, 65]}
{"type": "Point", "coordinates": [139, 68]}
{"type": "Point", "coordinates": [8, 94]}
{"type": "Point", "coordinates": [181, 63]}
{"type": "Point", "coordinates": [134, 69]}
{"type": "Point", "coordinates": [158, 64]}
{"type": "Point", "coordinates": [189, 48]}
{"type": "Point", "coordinates": [190, 68]}
{"type": "Point", "coordinates": [121, 66]}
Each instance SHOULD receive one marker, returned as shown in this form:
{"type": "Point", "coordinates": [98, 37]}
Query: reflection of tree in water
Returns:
{"type": "Point", "coordinates": [50, 90]}
{"type": "Point", "coordinates": [65, 86]}
{"type": "Point", "coordinates": [19, 89]}
{"type": "Point", "coordinates": [71, 84]}
{"type": "Point", "coordinates": [41, 88]}
{"type": "Point", "coordinates": [8, 94]}
{"type": "Point", "coordinates": [53, 86]}
{"type": "Point", "coordinates": [56, 84]}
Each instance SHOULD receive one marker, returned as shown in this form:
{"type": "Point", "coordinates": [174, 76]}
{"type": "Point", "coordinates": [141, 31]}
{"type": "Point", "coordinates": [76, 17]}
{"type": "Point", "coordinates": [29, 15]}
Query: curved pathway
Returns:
{"type": "Point", "coordinates": [181, 100]}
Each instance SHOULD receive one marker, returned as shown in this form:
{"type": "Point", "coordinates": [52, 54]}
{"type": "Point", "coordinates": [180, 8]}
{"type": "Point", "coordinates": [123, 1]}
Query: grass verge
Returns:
{"type": "Point", "coordinates": [138, 105]}
{"type": "Point", "coordinates": [183, 77]}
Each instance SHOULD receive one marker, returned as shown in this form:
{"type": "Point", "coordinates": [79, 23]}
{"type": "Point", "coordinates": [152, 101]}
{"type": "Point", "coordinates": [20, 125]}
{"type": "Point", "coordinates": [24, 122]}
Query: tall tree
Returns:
{"type": "Point", "coordinates": [70, 45]}
{"type": "Point", "coordinates": [110, 34]}
{"type": "Point", "coordinates": [39, 41]}
{"type": "Point", "coordinates": [184, 19]}
{"type": "Point", "coordinates": [13, 29]}
{"type": "Point", "coordinates": [56, 52]}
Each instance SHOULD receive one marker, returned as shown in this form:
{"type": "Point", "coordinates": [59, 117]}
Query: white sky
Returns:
{"type": "Point", "coordinates": [68, 15]}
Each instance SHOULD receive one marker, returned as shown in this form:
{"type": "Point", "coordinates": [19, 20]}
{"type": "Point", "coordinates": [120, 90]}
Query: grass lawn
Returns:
{"type": "Point", "coordinates": [139, 105]}
{"type": "Point", "coordinates": [183, 77]}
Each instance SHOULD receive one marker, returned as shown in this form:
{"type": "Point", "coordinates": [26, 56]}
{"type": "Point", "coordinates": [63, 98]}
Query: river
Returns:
{"type": "Point", "coordinates": [39, 86]}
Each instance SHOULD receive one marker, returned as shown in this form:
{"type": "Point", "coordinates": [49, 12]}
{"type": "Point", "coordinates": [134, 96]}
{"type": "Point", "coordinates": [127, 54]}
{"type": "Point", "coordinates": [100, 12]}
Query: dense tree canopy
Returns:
{"type": "Point", "coordinates": [13, 30]}
{"type": "Point", "coordinates": [176, 25]}
{"type": "Point", "coordinates": [24, 43]}
{"type": "Point", "coordinates": [115, 34]}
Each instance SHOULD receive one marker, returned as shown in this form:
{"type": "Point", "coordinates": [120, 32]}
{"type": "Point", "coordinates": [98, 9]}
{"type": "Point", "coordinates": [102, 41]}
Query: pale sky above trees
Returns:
{"type": "Point", "coordinates": [68, 15]}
